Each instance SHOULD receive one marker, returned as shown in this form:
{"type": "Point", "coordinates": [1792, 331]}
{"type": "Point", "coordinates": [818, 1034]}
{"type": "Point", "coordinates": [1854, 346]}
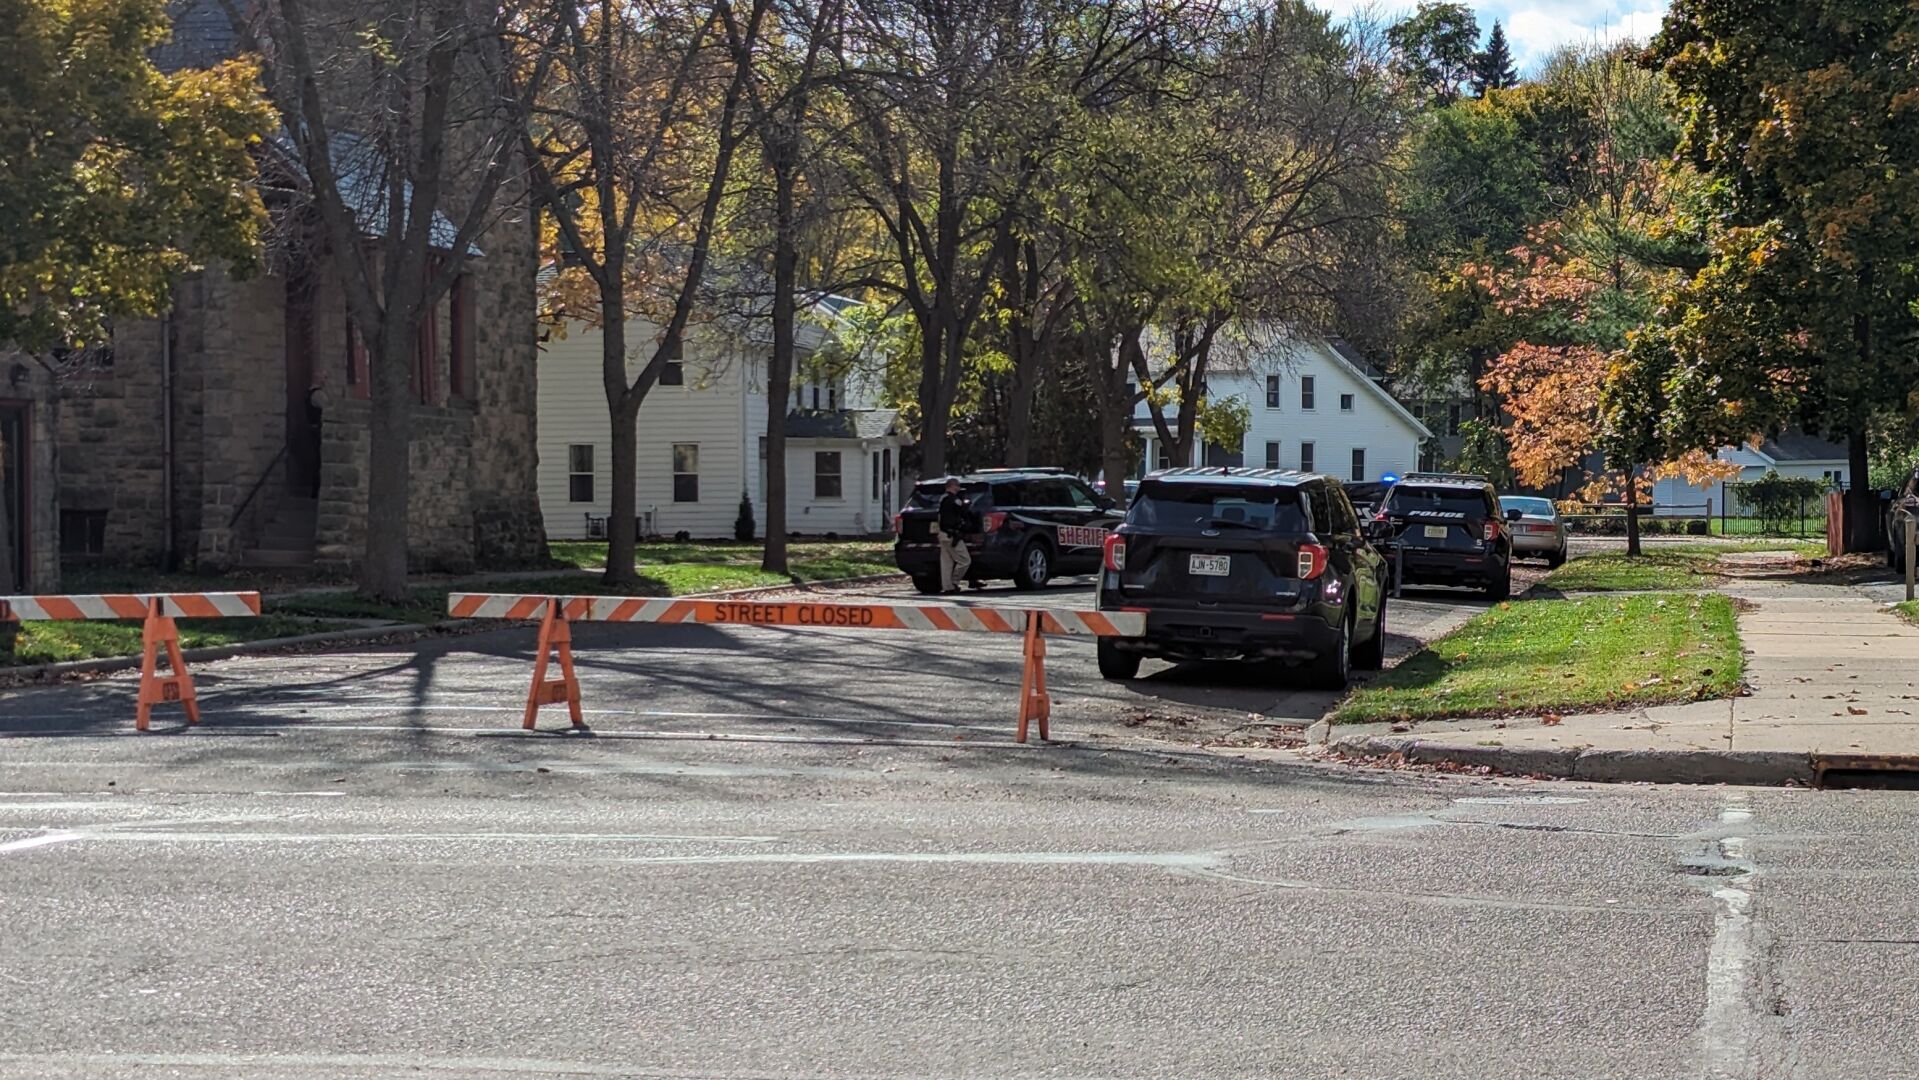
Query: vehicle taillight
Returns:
{"type": "Point", "coordinates": [1312, 561]}
{"type": "Point", "coordinates": [1492, 530]}
{"type": "Point", "coordinates": [994, 520]}
{"type": "Point", "coordinates": [1115, 547]}
{"type": "Point", "coordinates": [896, 524]}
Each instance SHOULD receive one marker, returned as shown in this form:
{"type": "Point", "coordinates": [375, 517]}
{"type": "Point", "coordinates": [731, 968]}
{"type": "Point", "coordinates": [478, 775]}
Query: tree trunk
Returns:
{"type": "Point", "coordinates": [779, 374]}
{"type": "Point", "coordinates": [622, 524]}
{"type": "Point", "coordinates": [1632, 511]}
{"type": "Point", "coordinates": [933, 412]}
{"type": "Point", "coordinates": [389, 472]}
{"type": "Point", "coordinates": [1020, 282]}
{"type": "Point", "coordinates": [623, 413]}
{"type": "Point", "coordinates": [1862, 503]}
{"type": "Point", "coordinates": [1114, 462]}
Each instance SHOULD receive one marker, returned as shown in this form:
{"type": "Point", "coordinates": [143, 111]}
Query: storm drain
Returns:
{"type": "Point", "coordinates": [1895, 772]}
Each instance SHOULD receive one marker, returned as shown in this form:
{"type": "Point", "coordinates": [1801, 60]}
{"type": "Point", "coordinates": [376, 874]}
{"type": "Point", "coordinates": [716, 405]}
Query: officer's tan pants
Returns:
{"type": "Point", "coordinates": [955, 561]}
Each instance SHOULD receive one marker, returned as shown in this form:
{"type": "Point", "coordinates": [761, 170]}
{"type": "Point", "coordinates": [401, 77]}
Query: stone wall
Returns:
{"type": "Point", "coordinates": [110, 438]}
{"type": "Point", "coordinates": [504, 470]}
{"type": "Point", "coordinates": [242, 413]}
{"type": "Point", "coordinates": [24, 381]}
{"type": "Point", "coordinates": [440, 530]}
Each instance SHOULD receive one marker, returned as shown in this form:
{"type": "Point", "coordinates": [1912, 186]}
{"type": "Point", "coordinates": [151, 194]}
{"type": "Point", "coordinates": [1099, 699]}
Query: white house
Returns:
{"type": "Point", "coordinates": [1313, 407]}
{"type": "Point", "coordinates": [702, 439]}
{"type": "Point", "coordinates": [1791, 454]}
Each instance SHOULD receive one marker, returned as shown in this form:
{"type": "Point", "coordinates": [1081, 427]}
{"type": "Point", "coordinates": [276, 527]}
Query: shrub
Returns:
{"type": "Point", "coordinates": [1698, 528]}
{"type": "Point", "coordinates": [743, 526]}
{"type": "Point", "coordinates": [1777, 501]}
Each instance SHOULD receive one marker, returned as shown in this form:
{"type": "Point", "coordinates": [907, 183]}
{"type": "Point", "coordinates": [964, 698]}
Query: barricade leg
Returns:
{"type": "Point", "coordinates": [174, 686]}
{"type": "Point", "coordinates": [1034, 702]}
{"type": "Point", "coordinates": [556, 636]}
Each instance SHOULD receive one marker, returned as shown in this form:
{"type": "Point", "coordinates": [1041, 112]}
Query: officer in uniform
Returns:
{"type": "Point", "coordinates": [956, 520]}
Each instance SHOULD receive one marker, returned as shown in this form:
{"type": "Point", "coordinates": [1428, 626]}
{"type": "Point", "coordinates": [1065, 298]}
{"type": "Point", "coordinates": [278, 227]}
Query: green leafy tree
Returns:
{"type": "Point", "coordinates": [1435, 48]}
{"type": "Point", "coordinates": [1801, 113]}
{"type": "Point", "coordinates": [1493, 66]}
{"type": "Point", "coordinates": [114, 176]}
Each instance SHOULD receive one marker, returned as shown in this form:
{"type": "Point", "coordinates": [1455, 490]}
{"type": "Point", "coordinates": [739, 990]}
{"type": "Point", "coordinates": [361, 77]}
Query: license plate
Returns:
{"type": "Point", "coordinates": [1210, 565]}
{"type": "Point", "coordinates": [1436, 532]}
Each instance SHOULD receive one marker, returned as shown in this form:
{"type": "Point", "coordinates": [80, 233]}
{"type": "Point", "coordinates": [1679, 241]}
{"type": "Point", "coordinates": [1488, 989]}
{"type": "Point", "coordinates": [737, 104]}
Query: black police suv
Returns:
{"type": "Point", "coordinates": [1247, 564]}
{"type": "Point", "coordinates": [1035, 525]}
{"type": "Point", "coordinates": [1447, 529]}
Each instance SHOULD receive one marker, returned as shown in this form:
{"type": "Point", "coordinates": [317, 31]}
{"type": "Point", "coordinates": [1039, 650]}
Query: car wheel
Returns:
{"type": "Point", "coordinates": [1116, 665]}
{"type": "Point", "coordinates": [1370, 655]}
{"type": "Point", "coordinates": [1332, 668]}
{"type": "Point", "coordinates": [1501, 587]}
{"type": "Point", "coordinates": [1557, 559]}
{"type": "Point", "coordinates": [1035, 567]}
{"type": "Point", "coordinates": [927, 585]}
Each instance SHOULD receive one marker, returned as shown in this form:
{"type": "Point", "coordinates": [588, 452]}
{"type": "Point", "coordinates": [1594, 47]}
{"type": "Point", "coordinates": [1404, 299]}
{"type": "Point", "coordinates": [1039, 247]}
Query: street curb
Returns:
{"type": "Point", "coordinates": [106, 665]}
{"type": "Point", "coordinates": [1750, 767]}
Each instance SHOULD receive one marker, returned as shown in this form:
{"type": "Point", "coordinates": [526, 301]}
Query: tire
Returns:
{"type": "Point", "coordinates": [1502, 586]}
{"type": "Point", "coordinates": [1370, 655]}
{"type": "Point", "coordinates": [1116, 665]}
{"type": "Point", "coordinates": [1035, 566]}
{"type": "Point", "coordinates": [1557, 559]}
{"type": "Point", "coordinates": [1331, 669]}
{"type": "Point", "coordinates": [929, 586]}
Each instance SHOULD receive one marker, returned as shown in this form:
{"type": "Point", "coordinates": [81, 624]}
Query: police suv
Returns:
{"type": "Point", "coordinates": [1035, 524]}
{"type": "Point", "coordinates": [1447, 529]}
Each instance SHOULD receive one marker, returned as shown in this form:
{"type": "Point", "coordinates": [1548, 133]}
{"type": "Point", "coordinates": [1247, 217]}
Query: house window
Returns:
{"type": "Point", "coordinates": [833, 395]}
{"type": "Point", "coordinates": [356, 374]}
{"type": "Point", "coordinates": [579, 473]}
{"type": "Point", "coordinates": [1272, 391]}
{"type": "Point", "coordinates": [1359, 463]}
{"type": "Point", "coordinates": [83, 532]}
{"type": "Point", "coordinates": [1306, 392]}
{"type": "Point", "coordinates": [1272, 455]}
{"type": "Point", "coordinates": [826, 474]}
{"type": "Point", "coordinates": [686, 472]}
{"type": "Point", "coordinates": [674, 373]}
{"type": "Point", "coordinates": [1305, 457]}
{"type": "Point", "coordinates": [1345, 403]}
{"type": "Point", "coordinates": [816, 397]}
{"type": "Point", "coordinates": [461, 331]}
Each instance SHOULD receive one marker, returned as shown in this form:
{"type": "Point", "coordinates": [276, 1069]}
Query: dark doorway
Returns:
{"type": "Point", "coordinates": [15, 459]}
{"type": "Point", "coordinates": [302, 411]}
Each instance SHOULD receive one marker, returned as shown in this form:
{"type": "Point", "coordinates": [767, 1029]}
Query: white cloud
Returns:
{"type": "Point", "coordinates": [1537, 28]}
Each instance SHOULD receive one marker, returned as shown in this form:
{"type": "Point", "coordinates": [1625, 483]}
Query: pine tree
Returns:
{"type": "Point", "coordinates": [1493, 67]}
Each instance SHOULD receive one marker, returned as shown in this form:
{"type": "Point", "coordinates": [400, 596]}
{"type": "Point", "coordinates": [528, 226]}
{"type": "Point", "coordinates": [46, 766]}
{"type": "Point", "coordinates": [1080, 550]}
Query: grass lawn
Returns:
{"type": "Point", "coordinates": [1663, 566]}
{"type": "Point", "coordinates": [1583, 654]}
{"type": "Point", "coordinates": [1908, 610]}
{"type": "Point", "coordinates": [811, 560]}
{"type": "Point", "coordinates": [53, 642]}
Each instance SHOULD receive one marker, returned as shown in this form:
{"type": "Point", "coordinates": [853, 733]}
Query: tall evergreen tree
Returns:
{"type": "Point", "coordinates": [1493, 66]}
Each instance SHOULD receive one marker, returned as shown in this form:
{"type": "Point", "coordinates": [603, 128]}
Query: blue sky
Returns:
{"type": "Point", "coordinates": [1534, 28]}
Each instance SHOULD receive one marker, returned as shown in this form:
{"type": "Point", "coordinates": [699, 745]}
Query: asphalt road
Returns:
{"type": "Point", "coordinates": [807, 853]}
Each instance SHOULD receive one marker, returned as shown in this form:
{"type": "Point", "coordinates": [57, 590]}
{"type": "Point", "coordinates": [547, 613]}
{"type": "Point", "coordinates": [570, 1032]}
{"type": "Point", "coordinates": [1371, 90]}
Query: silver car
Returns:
{"type": "Point", "coordinates": [1538, 532]}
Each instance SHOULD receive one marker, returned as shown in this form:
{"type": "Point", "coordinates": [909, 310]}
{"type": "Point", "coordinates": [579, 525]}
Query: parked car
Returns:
{"type": "Point", "coordinates": [1905, 503]}
{"type": "Point", "coordinates": [1035, 525]}
{"type": "Point", "coordinates": [1246, 564]}
{"type": "Point", "coordinates": [1365, 495]}
{"type": "Point", "coordinates": [1447, 529]}
{"type": "Point", "coordinates": [1539, 531]}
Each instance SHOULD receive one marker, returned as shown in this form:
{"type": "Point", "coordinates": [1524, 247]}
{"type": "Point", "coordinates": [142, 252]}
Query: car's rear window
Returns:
{"type": "Point", "coordinates": [1526, 504]}
{"type": "Point", "coordinates": [927, 496]}
{"type": "Point", "coordinates": [1217, 506]}
{"type": "Point", "coordinates": [1405, 499]}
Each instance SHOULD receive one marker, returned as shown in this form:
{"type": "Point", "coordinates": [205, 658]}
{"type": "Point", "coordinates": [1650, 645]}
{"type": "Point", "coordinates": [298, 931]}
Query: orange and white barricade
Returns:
{"type": "Point", "coordinates": [159, 633]}
{"type": "Point", "coordinates": [557, 613]}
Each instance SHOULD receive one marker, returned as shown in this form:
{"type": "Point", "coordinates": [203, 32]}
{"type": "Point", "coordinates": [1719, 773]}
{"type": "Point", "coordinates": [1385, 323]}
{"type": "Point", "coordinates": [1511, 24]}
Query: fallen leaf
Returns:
{"type": "Point", "coordinates": [1855, 711]}
{"type": "Point", "coordinates": [1551, 719]}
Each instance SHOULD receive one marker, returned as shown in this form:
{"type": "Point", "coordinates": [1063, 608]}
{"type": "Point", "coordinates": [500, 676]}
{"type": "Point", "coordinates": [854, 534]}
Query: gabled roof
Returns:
{"type": "Point", "coordinates": [1373, 388]}
{"type": "Point", "coordinates": [1799, 446]}
{"type": "Point", "coordinates": [841, 423]}
{"type": "Point", "coordinates": [202, 36]}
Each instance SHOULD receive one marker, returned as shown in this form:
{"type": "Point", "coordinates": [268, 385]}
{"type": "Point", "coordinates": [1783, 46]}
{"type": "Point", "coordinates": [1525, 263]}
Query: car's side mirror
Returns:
{"type": "Point", "coordinates": [1106, 503]}
{"type": "Point", "coordinates": [1515, 515]}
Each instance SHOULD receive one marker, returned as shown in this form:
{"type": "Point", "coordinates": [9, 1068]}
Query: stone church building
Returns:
{"type": "Point", "coordinates": [232, 432]}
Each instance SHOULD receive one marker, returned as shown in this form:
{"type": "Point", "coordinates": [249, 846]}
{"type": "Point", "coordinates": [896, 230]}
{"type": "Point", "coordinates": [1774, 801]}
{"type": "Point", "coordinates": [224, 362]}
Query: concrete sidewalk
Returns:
{"type": "Point", "coordinates": [1833, 673]}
